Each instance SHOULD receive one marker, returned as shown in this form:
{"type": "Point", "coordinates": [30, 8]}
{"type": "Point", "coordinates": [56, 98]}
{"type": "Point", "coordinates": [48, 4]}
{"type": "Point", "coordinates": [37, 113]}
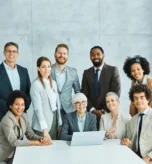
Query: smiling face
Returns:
{"type": "Point", "coordinates": [137, 72]}
{"type": "Point", "coordinates": [97, 57]}
{"type": "Point", "coordinates": [112, 103]}
{"type": "Point", "coordinates": [10, 53]}
{"type": "Point", "coordinates": [18, 107]}
{"type": "Point", "coordinates": [140, 101]}
{"type": "Point", "coordinates": [45, 69]}
{"type": "Point", "coordinates": [80, 105]}
{"type": "Point", "coordinates": [61, 55]}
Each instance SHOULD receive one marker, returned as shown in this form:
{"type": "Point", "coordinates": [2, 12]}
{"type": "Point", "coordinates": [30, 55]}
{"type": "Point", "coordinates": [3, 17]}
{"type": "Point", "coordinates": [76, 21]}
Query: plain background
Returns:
{"type": "Point", "coordinates": [122, 27]}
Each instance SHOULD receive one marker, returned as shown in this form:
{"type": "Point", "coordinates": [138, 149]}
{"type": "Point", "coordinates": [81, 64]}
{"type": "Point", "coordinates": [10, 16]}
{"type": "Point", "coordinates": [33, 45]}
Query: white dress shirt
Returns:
{"type": "Point", "coordinates": [13, 76]}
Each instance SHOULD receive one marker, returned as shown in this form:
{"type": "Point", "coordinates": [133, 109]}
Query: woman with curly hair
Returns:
{"type": "Point", "coordinates": [137, 69]}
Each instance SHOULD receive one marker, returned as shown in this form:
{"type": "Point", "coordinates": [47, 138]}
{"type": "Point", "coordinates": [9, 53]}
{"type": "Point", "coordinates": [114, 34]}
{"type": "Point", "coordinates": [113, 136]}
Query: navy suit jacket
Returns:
{"type": "Point", "coordinates": [6, 87]}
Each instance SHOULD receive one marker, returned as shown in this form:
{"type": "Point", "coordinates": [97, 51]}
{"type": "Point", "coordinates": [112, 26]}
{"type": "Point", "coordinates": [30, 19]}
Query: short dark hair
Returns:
{"type": "Point", "coordinates": [138, 89]}
{"type": "Point", "coordinates": [136, 59]}
{"type": "Point", "coordinates": [100, 48]}
{"type": "Point", "coordinates": [16, 94]}
{"type": "Point", "coordinates": [11, 44]}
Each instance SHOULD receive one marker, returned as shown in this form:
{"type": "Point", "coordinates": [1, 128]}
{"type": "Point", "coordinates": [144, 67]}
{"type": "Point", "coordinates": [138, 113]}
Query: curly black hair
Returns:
{"type": "Point", "coordinates": [16, 94]}
{"type": "Point", "coordinates": [136, 59]}
{"type": "Point", "coordinates": [138, 89]}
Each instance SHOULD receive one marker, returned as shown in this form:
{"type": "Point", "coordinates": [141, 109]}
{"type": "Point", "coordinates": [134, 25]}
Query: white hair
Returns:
{"type": "Point", "coordinates": [77, 96]}
{"type": "Point", "coordinates": [112, 94]}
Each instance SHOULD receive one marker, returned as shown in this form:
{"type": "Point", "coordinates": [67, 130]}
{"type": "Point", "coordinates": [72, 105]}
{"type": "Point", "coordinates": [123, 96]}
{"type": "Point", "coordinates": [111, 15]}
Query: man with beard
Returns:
{"type": "Point", "coordinates": [66, 79]}
{"type": "Point", "coordinates": [98, 81]}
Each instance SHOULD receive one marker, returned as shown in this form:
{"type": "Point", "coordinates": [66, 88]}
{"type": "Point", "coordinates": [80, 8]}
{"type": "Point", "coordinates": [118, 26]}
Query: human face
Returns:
{"type": "Point", "coordinates": [18, 107]}
{"type": "Point", "coordinates": [80, 105]}
{"type": "Point", "coordinates": [97, 57]}
{"type": "Point", "coordinates": [140, 101]}
{"type": "Point", "coordinates": [112, 103]}
{"type": "Point", "coordinates": [61, 56]}
{"type": "Point", "coordinates": [137, 72]}
{"type": "Point", "coordinates": [45, 69]}
{"type": "Point", "coordinates": [10, 54]}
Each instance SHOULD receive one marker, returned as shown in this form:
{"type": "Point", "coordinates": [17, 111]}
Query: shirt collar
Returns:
{"type": "Point", "coordinates": [64, 71]}
{"type": "Point", "coordinates": [144, 81]}
{"type": "Point", "coordinates": [8, 67]}
{"type": "Point", "coordinates": [145, 111]}
{"type": "Point", "coordinates": [81, 118]}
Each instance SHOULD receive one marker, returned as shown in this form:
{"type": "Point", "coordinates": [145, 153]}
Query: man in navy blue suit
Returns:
{"type": "Point", "coordinates": [12, 76]}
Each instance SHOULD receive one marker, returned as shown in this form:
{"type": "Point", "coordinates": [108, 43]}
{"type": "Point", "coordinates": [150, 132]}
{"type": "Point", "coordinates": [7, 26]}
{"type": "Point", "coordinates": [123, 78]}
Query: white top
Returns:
{"type": "Point", "coordinates": [52, 94]}
{"type": "Point", "coordinates": [13, 76]}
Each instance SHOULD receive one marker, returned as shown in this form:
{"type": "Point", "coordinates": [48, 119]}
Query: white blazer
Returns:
{"type": "Point", "coordinates": [42, 110]}
{"type": "Point", "coordinates": [121, 124]}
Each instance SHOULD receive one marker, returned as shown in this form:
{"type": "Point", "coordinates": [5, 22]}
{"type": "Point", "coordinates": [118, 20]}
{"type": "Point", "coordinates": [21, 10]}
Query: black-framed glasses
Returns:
{"type": "Point", "coordinates": [80, 103]}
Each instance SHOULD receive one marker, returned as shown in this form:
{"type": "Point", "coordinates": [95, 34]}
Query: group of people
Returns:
{"type": "Point", "coordinates": [56, 114]}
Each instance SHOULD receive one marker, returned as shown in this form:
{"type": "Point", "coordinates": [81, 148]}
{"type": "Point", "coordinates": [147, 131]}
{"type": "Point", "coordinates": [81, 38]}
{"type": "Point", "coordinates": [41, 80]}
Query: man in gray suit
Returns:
{"type": "Point", "coordinates": [78, 121]}
{"type": "Point", "coordinates": [139, 129]}
{"type": "Point", "coordinates": [98, 81]}
{"type": "Point", "coordinates": [12, 76]}
{"type": "Point", "coordinates": [66, 78]}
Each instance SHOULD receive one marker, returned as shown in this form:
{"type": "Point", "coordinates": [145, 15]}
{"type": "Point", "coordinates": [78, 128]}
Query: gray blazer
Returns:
{"type": "Point", "coordinates": [145, 136]}
{"type": "Point", "coordinates": [42, 110]}
{"type": "Point", "coordinates": [121, 124]}
{"type": "Point", "coordinates": [10, 136]}
{"type": "Point", "coordinates": [70, 125]}
{"type": "Point", "coordinates": [65, 94]}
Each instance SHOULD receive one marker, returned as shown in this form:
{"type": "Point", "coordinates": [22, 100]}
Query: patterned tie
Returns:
{"type": "Point", "coordinates": [139, 132]}
{"type": "Point", "coordinates": [96, 83]}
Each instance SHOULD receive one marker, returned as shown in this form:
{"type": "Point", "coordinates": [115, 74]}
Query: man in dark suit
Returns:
{"type": "Point", "coordinates": [98, 81]}
{"type": "Point", "coordinates": [12, 76]}
{"type": "Point", "coordinates": [78, 121]}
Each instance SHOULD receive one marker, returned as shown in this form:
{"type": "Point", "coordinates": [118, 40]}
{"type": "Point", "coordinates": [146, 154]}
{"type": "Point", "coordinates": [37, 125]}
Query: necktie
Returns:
{"type": "Point", "coordinates": [96, 83]}
{"type": "Point", "coordinates": [139, 131]}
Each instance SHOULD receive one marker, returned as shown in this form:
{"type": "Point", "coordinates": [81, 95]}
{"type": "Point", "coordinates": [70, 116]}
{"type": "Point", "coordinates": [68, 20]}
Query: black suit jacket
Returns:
{"type": "Point", "coordinates": [70, 125]}
{"type": "Point", "coordinates": [109, 81]}
{"type": "Point", "coordinates": [6, 87]}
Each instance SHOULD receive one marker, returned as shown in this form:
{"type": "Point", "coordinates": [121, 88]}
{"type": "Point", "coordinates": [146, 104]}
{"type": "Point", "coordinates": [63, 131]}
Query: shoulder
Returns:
{"type": "Point", "coordinates": [105, 116]}
{"type": "Point", "coordinates": [91, 115]}
{"type": "Point", "coordinates": [125, 117]}
{"type": "Point", "coordinates": [71, 69]}
{"type": "Point", "coordinates": [149, 82]}
{"type": "Point", "coordinates": [8, 119]}
{"type": "Point", "coordinates": [110, 67]}
{"type": "Point", "coordinates": [89, 70]}
{"type": "Point", "coordinates": [21, 68]}
{"type": "Point", "coordinates": [36, 84]}
{"type": "Point", "coordinates": [70, 115]}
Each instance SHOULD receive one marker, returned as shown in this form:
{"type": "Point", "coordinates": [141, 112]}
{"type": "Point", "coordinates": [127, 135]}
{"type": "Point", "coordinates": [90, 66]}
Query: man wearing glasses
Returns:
{"type": "Point", "coordinates": [12, 76]}
{"type": "Point", "coordinates": [79, 120]}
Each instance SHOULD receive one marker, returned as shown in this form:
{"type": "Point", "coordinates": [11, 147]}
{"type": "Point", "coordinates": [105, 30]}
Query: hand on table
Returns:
{"type": "Point", "coordinates": [146, 159]}
{"type": "Point", "coordinates": [112, 130]}
{"type": "Point", "coordinates": [125, 141]}
{"type": "Point", "coordinates": [46, 135]}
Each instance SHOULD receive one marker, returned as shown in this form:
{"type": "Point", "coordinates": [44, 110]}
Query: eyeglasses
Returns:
{"type": "Point", "coordinates": [9, 51]}
{"type": "Point", "coordinates": [79, 103]}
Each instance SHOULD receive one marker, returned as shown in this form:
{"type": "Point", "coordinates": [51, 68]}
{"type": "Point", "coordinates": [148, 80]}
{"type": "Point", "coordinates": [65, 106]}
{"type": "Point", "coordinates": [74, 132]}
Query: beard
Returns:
{"type": "Point", "coordinates": [60, 61]}
{"type": "Point", "coordinates": [97, 63]}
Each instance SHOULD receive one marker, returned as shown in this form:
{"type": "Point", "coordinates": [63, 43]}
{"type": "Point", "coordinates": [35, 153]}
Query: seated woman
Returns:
{"type": "Point", "coordinates": [137, 69]}
{"type": "Point", "coordinates": [15, 126]}
{"type": "Point", "coordinates": [79, 120]}
{"type": "Point", "coordinates": [114, 123]}
{"type": "Point", "coordinates": [46, 105]}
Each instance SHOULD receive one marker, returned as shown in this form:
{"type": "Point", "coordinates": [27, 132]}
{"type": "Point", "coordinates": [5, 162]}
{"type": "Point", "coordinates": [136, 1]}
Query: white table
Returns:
{"type": "Point", "coordinates": [111, 152]}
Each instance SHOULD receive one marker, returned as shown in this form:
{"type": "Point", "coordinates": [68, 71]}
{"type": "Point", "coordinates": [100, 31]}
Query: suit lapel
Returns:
{"type": "Point", "coordinates": [53, 72]}
{"type": "Point", "coordinates": [5, 76]}
{"type": "Point", "coordinates": [87, 122]}
{"type": "Point", "coordinates": [21, 77]}
{"type": "Point", "coordinates": [23, 126]}
{"type": "Point", "coordinates": [75, 121]}
{"type": "Point", "coordinates": [67, 72]}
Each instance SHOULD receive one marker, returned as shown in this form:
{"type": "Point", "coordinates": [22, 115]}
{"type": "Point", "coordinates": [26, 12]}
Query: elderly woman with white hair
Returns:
{"type": "Point", "coordinates": [114, 123]}
{"type": "Point", "coordinates": [79, 120]}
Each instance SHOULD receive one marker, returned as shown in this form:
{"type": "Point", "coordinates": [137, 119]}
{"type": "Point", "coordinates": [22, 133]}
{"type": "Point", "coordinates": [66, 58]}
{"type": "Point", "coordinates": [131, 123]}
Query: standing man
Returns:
{"type": "Point", "coordinates": [139, 129]}
{"type": "Point", "coordinates": [12, 76]}
{"type": "Point", "coordinates": [98, 81]}
{"type": "Point", "coordinates": [65, 77]}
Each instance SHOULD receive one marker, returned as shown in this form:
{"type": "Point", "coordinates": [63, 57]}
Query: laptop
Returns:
{"type": "Point", "coordinates": [87, 138]}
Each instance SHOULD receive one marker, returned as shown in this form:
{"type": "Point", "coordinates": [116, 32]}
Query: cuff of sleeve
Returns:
{"type": "Point", "coordinates": [43, 125]}
{"type": "Point", "coordinates": [92, 109]}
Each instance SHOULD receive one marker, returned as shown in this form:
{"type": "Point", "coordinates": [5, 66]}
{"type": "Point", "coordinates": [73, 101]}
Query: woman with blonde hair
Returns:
{"type": "Point", "coordinates": [46, 106]}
